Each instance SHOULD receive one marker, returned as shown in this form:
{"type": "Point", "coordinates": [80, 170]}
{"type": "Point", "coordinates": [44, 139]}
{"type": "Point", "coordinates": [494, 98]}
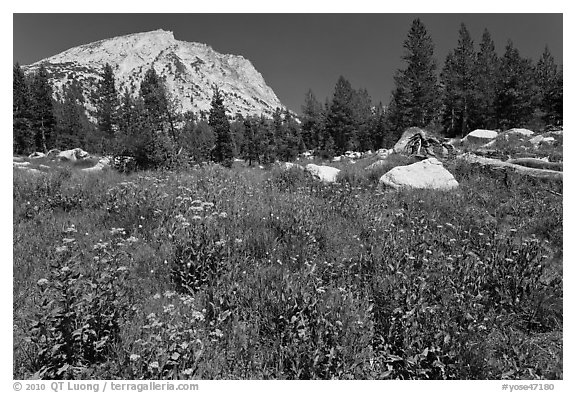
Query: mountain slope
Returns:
{"type": "Point", "coordinates": [189, 69]}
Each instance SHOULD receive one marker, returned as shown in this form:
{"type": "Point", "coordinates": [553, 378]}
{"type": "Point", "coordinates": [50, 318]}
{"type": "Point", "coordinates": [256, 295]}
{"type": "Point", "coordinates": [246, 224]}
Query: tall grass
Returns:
{"type": "Point", "coordinates": [249, 273]}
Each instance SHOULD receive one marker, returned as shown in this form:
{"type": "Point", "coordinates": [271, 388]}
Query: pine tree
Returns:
{"type": "Point", "coordinates": [43, 118]}
{"type": "Point", "coordinates": [158, 104]}
{"type": "Point", "coordinates": [515, 90]}
{"type": "Point", "coordinates": [486, 81]}
{"type": "Point", "coordinates": [22, 133]}
{"type": "Point", "coordinates": [459, 88]}
{"type": "Point", "coordinates": [340, 123]}
{"type": "Point", "coordinates": [224, 150]}
{"type": "Point", "coordinates": [362, 139]}
{"type": "Point", "coordinates": [250, 142]}
{"type": "Point", "coordinates": [71, 119]}
{"type": "Point", "coordinates": [312, 123]}
{"type": "Point", "coordinates": [107, 103]}
{"type": "Point", "coordinates": [415, 98]}
{"type": "Point", "coordinates": [549, 86]}
{"type": "Point", "coordinates": [378, 128]}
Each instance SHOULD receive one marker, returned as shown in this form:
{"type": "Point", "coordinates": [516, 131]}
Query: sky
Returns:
{"type": "Point", "coordinates": [297, 52]}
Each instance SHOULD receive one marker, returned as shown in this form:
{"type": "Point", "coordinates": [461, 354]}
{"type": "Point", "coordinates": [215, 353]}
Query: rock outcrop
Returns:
{"type": "Point", "coordinates": [324, 173]}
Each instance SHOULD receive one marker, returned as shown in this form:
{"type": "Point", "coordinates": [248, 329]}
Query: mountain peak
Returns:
{"type": "Point", "coordinates": [189, 69]}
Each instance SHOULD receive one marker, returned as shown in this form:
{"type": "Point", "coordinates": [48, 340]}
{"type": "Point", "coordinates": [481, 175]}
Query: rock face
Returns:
{"type": "Point", "coordinates": [428, 174]}
{"type": "Point", "coordinates": [325, 173]}
{"type": "Point", "coordinates": [73, 154]}
{"type": "Point", "coordinates": [190, 70]}
{"type": "Point", "coordinates": [409, 133]}
{"type": "Point", "coordinates": [103, 163]}
{"type": "Point", "coordinates": [480, 136]}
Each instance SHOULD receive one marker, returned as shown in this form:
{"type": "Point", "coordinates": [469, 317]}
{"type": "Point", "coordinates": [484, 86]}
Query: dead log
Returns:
{"type": "Point", "coordinates": [497, 164]}
{"type": "Point", "coordinates": [536, 163]}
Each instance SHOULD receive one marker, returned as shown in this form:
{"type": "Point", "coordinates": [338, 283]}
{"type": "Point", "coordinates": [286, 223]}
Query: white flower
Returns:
{"type": "Point", "coordinates": [157, 296]}
{"type": "Point", "coordinates": [132, 239]}
{"type": "Point", "coordinates": [115, 231]}
{"type": "Point", "coordinates": [223, 215]}
{"type": "Point", "coordinates": [122, 269]}
{"type": "Point", "coordinates": [134, 357]}
{"type": "Point", "coordinates": [61, 249]}
{"type": "Point", "coordinates": [154, 365]}
{"type": "Point", "coordinates": [188, 371]}
{"type": "Point", "coordinates": [42, 281]}
{"type": "Point", "coordinates": [169, 294]}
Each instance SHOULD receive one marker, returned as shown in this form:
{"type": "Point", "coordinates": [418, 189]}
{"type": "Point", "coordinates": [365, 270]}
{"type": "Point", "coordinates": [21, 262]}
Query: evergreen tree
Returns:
{"type": "Point", "coordinates": [22, 133]}
{"type": "Point", "coordinates": [251, 146]}
{"type": "Point", "coordinates": [486, 81]}
{"type": "Point", "coordinates": [378, 128]}
{"type": "Point", "coordinates": [312, 123]}
{"type": "Point", "coordinates": [107, 103]}
{"type": "Point", "coordinates": [43, 118]}
{"type": "Point", "coordinates": [340, 124]}
{"type": "Point", "coordinates": [363, 138]}
{"type": "Point", "coordinates": [549, 86]}
{"type": "Point", "coordinates": [158, 104]}
{"type": "Point", "coordinates": [71, 119]}
{"type": "Point", "coordinates": [515, 90]}
{"type": "Point", "coordinates": [459, 86]}
{"type": "Point", "coordinates": [415, 98]}
{"type": "Point", "coordinates": [223, 150]}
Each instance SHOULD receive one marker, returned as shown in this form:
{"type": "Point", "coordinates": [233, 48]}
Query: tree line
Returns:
{"type": "Point", "coordinates": [474, 89]}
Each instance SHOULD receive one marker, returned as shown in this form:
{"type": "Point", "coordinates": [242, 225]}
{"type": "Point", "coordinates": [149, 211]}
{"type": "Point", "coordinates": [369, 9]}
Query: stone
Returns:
{"type": "Point", "coordinates": [539, 139]}
{"type": "Point", "coordinates": [426, 174]}
{"type": "Point", "coordinates": [324, 173]}
{"type": "Point", "coordinates": [21, 164]}
{"type": "Point", "coordinates": [520, 131]}
{"type": "Point", "coordinates": [73, 155]}
{"type": "Point", "coordinates": [17, 159]}
{"type": "Point", "coordinates": [53, 153]}
{"type": "Point", "coordinates": [37, 154]}
{"type": "Point", "coordinates": [384, 153]}
{"type": "Point", "coordinates": [289, 165]}
{"type": "Point", "coordinates": [400, 146]}
{"type": "Point", "coordinates": [480, 136]}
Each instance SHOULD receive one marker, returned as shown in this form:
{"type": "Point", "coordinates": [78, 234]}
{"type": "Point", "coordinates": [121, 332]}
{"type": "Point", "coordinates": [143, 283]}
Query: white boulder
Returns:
{"type": "Point", "coordinates": [289, 165]}
{"type": "Point", "coordinates": [325, 173]}
{"type": "Point", "coordinates": [480, 136]}
{"type": "Point", "coordinates": [384, 153]}
{"type": "Point", "coordinates": [428, 174]}
{"type": "Point", "coordinates": [520, 131]}
{"type": "Point", "coordinates": [73, 154]}
{"type": "Point", "coordinates": [37, 154]}
{"type": "Point", "coordinates": [539, 139]}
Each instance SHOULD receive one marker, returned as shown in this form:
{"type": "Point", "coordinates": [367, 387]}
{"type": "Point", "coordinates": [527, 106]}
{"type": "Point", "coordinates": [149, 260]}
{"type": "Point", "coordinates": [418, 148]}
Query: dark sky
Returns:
{"type": "Point", "coordinates": [295, 52]}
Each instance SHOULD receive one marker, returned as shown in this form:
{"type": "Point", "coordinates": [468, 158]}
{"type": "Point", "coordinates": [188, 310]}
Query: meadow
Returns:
{"type": "Point", "coordinates": [248, 273]}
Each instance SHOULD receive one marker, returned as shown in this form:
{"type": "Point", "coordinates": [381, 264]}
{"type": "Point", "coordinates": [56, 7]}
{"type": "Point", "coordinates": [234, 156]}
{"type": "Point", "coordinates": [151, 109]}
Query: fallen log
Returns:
{"type": "Point", "coordinates": [537, 163]}
{"type": "Point", "coordinates": [497, 164]}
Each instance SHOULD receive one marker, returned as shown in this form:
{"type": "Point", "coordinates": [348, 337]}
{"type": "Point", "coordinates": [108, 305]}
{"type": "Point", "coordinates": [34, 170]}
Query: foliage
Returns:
{"type": "Point", "coordinates": [223, 150]}
{"type": "Point", "coordinates": [248, 273]}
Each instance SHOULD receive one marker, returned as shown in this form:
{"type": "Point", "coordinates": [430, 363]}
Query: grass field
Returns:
{"type": "Point", "coordinates": [212, 273]}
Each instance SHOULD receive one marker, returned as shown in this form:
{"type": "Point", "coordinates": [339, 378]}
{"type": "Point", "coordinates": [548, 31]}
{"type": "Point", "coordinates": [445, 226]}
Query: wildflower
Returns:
{"type": "Point", "coordinates": [61, 249]}
{"type": "Point", "coordinates": [151, 316]}
{"type": "Point", "coordinates": [428, 252]}
{"type": "Point", "coordinates": [154, 365]}
{"type": "Point", "coordinates": [509, 260]}
{"type": "Point", "coordinates": [197, 315]}
{"type": "Point", "coordinates": [207, 204]}
{"type": "Point", "coordinates": [480, 234]}
{"type": "Point", "coordinates": [157, 296]}
{"type": "Point", "coordinates": [115, 231]}
{"type": "Point", "coordinates": [134, 357]}
{"type": "Point", "coordinates": [70, 229]}
{"type": "Point", "coordinates": [65, 269]}
{"type": "Point", "coordinates": [42, 282]}
{"type": "Point", "coordinates": [122, 269]}
{"type": "Point", "coordinates": [238, 241]}
{"type": "Point", "coordinates": [188, 371]}
{"type": "Point", "coordinates": [452, 240]}
{"type": "Point", "coordinates": [169, 294]}
{"type": "Point", "coordinates": [132, 239]}
{"type": "Point", "coordinates": [196, 218]}
{"type": "Point", "coordinates": [197, 209]}
{"type": "Point", "coordinates": [217, 333]}
{"type": "Point", "coordinates": [223, 215]}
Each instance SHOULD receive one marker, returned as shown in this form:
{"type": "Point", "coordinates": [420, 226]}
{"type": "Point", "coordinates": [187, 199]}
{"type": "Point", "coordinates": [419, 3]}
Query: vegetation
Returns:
{"type": "Point", "coordinates": [244, 273]}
